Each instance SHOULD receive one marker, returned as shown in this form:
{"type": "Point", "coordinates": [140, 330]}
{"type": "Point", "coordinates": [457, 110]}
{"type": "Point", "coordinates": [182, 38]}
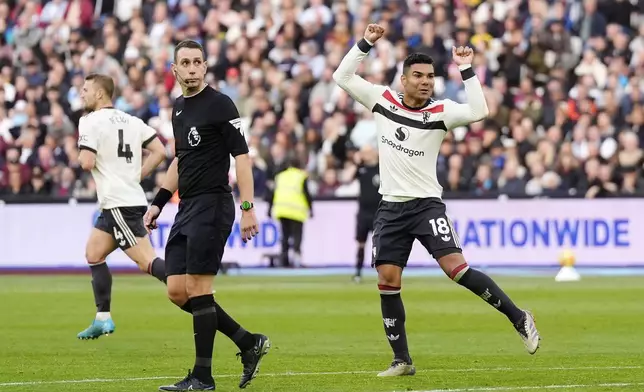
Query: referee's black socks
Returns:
{"type": "Point", "coordinates": [483, 286]}
{"type": "Point", "coordinates": [229, 327]}
{"type": "Point", "coordinates": [102, 286]}
{"type": "Point", "coordinates": [204, 321]}
{"type": "Point", "coordinates": [157, 269]}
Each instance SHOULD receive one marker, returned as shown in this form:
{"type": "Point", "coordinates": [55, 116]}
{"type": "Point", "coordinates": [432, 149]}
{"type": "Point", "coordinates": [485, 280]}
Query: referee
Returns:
{"type": "Point", "coordinates": [207, 131]}
{"type": "Point", "coordinates": [368, 175]}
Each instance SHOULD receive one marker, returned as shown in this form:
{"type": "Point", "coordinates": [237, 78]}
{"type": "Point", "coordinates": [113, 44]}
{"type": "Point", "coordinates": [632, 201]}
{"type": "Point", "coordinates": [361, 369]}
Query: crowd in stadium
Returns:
{"type": "Point", "coordinates": [564, 81]}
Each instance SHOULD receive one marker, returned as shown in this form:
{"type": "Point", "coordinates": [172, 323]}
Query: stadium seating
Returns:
{"type": "Point", "coordinates": [564, 82]}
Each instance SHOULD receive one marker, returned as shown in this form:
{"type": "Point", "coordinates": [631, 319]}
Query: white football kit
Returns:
{"type": "Point", "coordinates": [409, 140]}
{"type": "Point", "coordinates": [117, 139]}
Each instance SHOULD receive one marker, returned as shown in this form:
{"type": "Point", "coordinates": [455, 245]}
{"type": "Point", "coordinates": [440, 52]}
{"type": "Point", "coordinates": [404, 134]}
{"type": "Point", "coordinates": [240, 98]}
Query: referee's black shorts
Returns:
{"type": "Point", "coordinates": [198, 236]}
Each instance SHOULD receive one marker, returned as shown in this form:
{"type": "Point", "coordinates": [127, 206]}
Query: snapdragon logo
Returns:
{"type": "Point", "coordinates": [402, 134]}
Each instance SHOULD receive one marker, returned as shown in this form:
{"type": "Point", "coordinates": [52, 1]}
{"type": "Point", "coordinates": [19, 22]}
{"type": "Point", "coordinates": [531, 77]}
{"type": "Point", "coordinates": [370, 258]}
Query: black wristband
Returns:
{"type": "Point", "coordinates": [467, 73]}
{"type": "Point", "coordinates": [364, 46]}
{"type": "Point", "coordinates": [161, 198]}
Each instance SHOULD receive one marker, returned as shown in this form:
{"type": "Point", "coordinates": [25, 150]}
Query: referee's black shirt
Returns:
{"type": "Point", "coordinates": [369, 179]}
{"type": "Point", "coordinates": [207, 131]}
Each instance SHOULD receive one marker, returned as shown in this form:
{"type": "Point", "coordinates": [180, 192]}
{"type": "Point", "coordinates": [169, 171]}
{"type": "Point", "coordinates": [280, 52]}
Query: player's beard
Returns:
{"type": "Point", "coordinates": [88, 107]}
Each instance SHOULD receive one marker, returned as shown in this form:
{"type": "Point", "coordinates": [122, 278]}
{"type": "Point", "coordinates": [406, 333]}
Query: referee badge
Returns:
{"type": "Point", "coordinates": [194, 138]}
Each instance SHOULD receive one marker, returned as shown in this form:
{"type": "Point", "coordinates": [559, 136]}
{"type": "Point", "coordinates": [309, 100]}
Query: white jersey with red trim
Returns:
{"type": "Point", "coordinates": [409, 140]}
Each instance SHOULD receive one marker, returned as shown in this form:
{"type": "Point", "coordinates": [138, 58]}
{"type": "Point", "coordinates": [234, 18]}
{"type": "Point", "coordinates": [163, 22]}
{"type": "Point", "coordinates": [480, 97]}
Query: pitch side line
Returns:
{"type": "Point", "coordinates": [526, 388]}
{"type": "Point", "coordinates": [296, 374]}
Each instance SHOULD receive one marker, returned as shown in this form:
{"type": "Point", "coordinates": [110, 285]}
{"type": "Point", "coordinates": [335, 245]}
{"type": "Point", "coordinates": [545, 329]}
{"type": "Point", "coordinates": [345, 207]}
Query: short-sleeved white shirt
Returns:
{"type": "Point", "coordinates": [117, 139]}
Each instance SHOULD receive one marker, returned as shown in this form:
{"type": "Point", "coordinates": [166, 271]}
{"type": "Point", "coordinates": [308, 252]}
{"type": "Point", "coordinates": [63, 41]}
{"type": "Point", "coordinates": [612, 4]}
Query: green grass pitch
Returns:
{"type": "Point", "coordinates": [327, 336]}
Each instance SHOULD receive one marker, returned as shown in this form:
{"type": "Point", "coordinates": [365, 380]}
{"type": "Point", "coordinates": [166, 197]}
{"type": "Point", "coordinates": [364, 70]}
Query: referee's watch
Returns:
{"type": "Point", "coordinates": [246, 206]}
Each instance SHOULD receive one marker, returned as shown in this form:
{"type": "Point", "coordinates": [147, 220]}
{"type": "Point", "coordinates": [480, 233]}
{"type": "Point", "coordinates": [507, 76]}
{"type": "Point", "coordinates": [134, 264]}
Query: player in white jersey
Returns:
{"type": "Point", "coordinates": [411, 127]}
{"type": "Point", "coordinates": [111, 143]}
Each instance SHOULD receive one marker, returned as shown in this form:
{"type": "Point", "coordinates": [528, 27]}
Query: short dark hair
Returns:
{"type": "Point", "coordinates": [416, 58]}
{"type": "Point", "coordinates": [105, 82]}
{"type": "Point", "coordinates": [188, 44]}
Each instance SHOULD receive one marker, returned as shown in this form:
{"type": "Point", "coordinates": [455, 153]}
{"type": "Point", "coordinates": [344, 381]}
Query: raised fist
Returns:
{"type": "Point", "coordinates": [373, 33]}
{"type": "Point", "coordinates": [462, 55]}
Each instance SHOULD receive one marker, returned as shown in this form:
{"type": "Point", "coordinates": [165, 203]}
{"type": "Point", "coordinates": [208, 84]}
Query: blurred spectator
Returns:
{"type": "Point", "coordinates": [564, 82]}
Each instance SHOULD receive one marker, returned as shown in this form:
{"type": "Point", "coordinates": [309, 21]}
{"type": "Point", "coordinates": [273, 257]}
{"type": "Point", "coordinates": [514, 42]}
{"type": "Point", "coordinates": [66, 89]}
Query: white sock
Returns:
{"type": "Point", "coordinates": [103, 316]}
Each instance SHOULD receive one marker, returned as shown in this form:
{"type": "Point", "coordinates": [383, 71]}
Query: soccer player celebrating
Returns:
{"type": "Point", "coordinates": [111, 144]}
{"type": "Point", "coordinates": [411, 127]}
{"type": "Point", "coordinates": [207, 131]}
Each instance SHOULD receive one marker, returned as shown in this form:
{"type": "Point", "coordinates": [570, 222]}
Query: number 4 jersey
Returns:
{"type": "Point", "coordinates": [117, 139]}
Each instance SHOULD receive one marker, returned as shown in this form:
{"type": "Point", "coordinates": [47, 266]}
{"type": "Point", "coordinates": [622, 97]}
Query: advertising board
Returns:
{"type": "Point", "coordinates": [491, 232]}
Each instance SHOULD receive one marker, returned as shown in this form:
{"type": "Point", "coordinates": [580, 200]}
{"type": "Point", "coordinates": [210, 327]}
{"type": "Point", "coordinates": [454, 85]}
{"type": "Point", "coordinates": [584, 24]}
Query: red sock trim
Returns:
{"type": "Point", "coordinates": [150, 267]}
{"type": "Point", "coordinates": [384, 287]}
{"type": "Point", "coordinates": [456, 270]}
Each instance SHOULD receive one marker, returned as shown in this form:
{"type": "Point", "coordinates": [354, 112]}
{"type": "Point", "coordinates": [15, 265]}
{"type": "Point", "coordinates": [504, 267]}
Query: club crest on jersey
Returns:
{"type": "Point", "coordinates": [194, 138]}
{"type": "Point", "coordinates": [402, 134]}
{"type": "Point", "coordinates": [425, 117]}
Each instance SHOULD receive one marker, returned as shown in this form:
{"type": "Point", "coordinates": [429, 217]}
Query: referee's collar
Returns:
{"type": "Point", "coordinates": [197, 93]}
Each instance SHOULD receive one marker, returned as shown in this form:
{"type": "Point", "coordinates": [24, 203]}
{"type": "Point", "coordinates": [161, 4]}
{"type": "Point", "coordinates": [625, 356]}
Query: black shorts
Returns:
{"type": "Point", "coordinates": [364, 224]}
{"type": "Point", "coordinates": [397, 225]}
{"type": "Point", "coordinates": [124, 224]}
{"type": "Point", "coordinates": [198, 236]}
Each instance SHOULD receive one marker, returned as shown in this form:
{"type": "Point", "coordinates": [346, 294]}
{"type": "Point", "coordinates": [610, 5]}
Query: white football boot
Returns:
{"type": "Point", "coordinates": [398, 368]}
{"type": "Point", "coordinates": [527, 329]}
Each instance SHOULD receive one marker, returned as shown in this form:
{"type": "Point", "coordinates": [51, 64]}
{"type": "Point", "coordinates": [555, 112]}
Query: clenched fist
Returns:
{"type": "Point", "coordinates": [462, 55]}
{"type": "Point", "coordinates": [150, 218]}
{"type": "Point", "coordinates": [373, 33]}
